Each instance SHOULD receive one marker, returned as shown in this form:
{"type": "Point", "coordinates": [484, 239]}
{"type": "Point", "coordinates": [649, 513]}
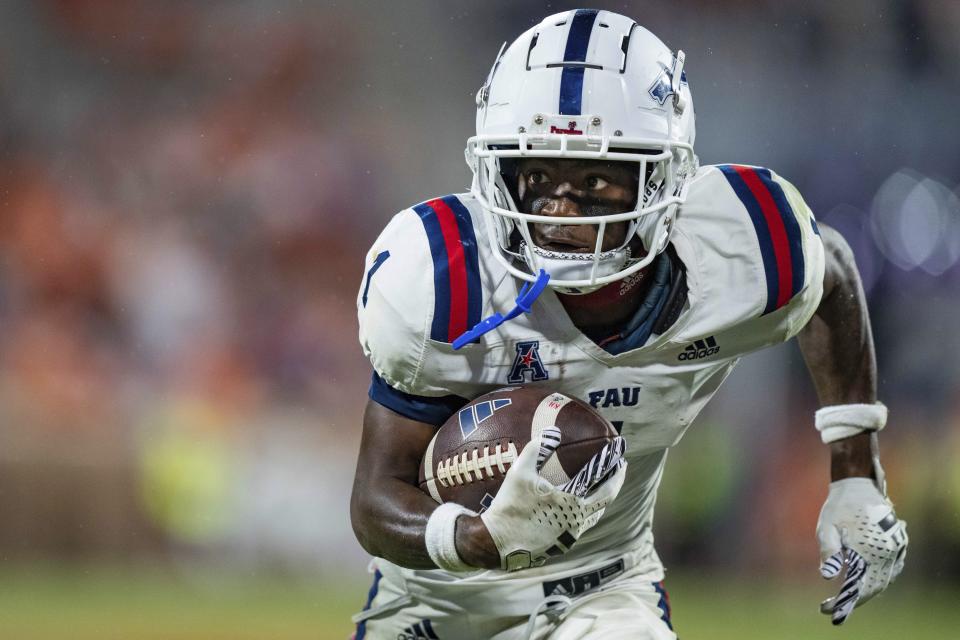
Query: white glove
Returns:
{"type": "Point", "coordinates": [858, 530]}
{"type": "Point", "coordinates": [530, 519]}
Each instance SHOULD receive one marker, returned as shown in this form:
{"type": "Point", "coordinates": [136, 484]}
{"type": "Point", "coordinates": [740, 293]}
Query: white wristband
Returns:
{"type": "Point", "coordinates": [844, 420]}
{"type": "Point", "coordinates": [440, 537]}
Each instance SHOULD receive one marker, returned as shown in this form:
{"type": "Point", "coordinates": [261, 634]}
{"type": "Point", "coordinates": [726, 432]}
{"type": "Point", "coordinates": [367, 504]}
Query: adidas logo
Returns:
{"type": "Point", "coordinates": [700, 349]}
{"type": "Point", "coordinates": [423, 629]}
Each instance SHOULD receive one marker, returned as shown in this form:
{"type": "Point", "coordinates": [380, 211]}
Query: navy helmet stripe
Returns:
{"type": "Point", "coordinates": [763, 233]}
{"type": "Point", "coordinates": [468, 238]}
{"type": "Point", "coordinates": [571, 91]}
{"type": "Point", "coordinates": [792, 226]}
{"type": "Point", "coordinates": [571, 79]}
{"type": "Point", "coordinates": [441, 271]}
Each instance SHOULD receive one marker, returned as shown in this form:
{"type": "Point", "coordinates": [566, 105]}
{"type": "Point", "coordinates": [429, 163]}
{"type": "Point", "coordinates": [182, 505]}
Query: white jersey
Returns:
{"type": "Point", "coordinates": [754, 271]}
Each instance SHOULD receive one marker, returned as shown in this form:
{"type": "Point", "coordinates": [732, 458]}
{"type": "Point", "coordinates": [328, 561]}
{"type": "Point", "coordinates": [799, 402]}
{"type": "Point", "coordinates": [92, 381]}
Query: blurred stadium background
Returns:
{"type": "Point", "coordinates": [187, 193]}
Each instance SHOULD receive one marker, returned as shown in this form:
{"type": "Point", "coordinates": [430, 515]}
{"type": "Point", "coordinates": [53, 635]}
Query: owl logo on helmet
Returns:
{"type": "Point", "coordinates": [581, 85]}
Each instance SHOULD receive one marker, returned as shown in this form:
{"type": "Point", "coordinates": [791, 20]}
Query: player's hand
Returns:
{"type": "Point", "coordinates": [531, 520]}
{"type": "Point", "coordinates": [858, 531]}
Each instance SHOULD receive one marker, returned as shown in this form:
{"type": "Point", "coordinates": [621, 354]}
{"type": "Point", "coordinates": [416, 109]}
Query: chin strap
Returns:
{"type": "Point", "coordinates": [641, 325]}
{"type": "Point", "coordinates": [528, 294]}
{"type": "Point", "coordinates": [679, 102]}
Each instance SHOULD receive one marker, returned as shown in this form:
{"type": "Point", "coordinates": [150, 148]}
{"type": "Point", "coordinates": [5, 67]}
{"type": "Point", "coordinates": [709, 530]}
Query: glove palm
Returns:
{"type": "Point", "coordinates": [859, 531]}
{"type": "Point", "coordinates": [531, 519]}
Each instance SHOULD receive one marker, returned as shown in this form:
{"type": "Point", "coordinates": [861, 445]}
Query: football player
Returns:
{"type": "Point", "coordinates": [595, 256]}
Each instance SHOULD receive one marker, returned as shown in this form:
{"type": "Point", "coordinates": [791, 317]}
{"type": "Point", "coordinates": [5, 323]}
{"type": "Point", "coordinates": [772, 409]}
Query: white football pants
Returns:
{"type": "Point", "coordinates": [608, 602]}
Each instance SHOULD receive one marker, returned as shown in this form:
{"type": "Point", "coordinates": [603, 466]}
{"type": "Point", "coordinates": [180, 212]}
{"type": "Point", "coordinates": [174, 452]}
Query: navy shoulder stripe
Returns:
{"type": "Point", "coordinates": [777, 228]}
{"type": "Point", "coordinates": [458, 297]}
{"type": "Point", "coordinates": [571, 78]}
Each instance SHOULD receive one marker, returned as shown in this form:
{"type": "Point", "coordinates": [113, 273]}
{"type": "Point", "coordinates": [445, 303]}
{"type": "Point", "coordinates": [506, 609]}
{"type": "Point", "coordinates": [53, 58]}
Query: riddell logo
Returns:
{"type": "Point", "coordinates": [700, 349]}
{"type": "Point", "coordinates": [571, 129]}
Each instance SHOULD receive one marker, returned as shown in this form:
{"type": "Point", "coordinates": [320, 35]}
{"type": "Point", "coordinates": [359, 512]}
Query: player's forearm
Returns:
{"type": "Point", "coordinates": [390, 523]}
{"type": "Point", "coordinates": [389, 517]}
{"type": "Point", "coordinates": [389, 512]}
{"type": "Point", "coordinates": [851, 458]}
{"type": "Point", "coordinates": [837, 345]}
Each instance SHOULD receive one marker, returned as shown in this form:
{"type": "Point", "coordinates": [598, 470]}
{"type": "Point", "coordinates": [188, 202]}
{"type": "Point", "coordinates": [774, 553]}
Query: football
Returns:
{"type": "Point", "coordinates": [469, 455]}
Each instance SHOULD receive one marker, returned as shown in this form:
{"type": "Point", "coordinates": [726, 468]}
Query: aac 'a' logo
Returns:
{"type": "Point", "coordinates": [473, 415]}
{"type": "Point", "coordinates": [527, 360]}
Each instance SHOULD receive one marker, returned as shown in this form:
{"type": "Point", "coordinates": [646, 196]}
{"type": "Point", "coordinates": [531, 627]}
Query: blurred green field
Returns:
{"type": "Point", "coordinates": [46, 603]}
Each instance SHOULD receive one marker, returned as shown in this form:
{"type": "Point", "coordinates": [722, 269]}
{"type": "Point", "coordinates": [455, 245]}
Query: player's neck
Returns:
{"type": "Point", "coordinates": [608, 309]}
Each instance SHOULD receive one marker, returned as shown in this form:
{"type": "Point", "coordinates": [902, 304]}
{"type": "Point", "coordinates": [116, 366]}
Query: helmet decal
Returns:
{"type": "Point", "coordinates": [662, 86]}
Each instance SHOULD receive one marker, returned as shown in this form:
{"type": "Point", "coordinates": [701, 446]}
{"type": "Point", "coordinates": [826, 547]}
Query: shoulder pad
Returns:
{"type": "Point", "coordinates": [754, 257]}
{"type": "Point", "coordinates": [421, 284]}
{"type": "Point", "coordinates": [777, 223]}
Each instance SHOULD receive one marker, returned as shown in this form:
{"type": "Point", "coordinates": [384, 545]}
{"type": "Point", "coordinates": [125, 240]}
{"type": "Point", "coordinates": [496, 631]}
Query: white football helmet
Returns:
{"type": "Point", "coordinates": [584, 84]}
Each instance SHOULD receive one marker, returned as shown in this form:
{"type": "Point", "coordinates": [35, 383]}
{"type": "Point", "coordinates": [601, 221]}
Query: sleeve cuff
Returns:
{"type": "Point", "coordinates": [428, 409]}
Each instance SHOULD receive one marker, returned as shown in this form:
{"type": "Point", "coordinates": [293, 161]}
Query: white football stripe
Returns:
{"type": "Point", "coordinates": [428, 471]}
{"type": "Point", "coordinates": [546, 416]}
